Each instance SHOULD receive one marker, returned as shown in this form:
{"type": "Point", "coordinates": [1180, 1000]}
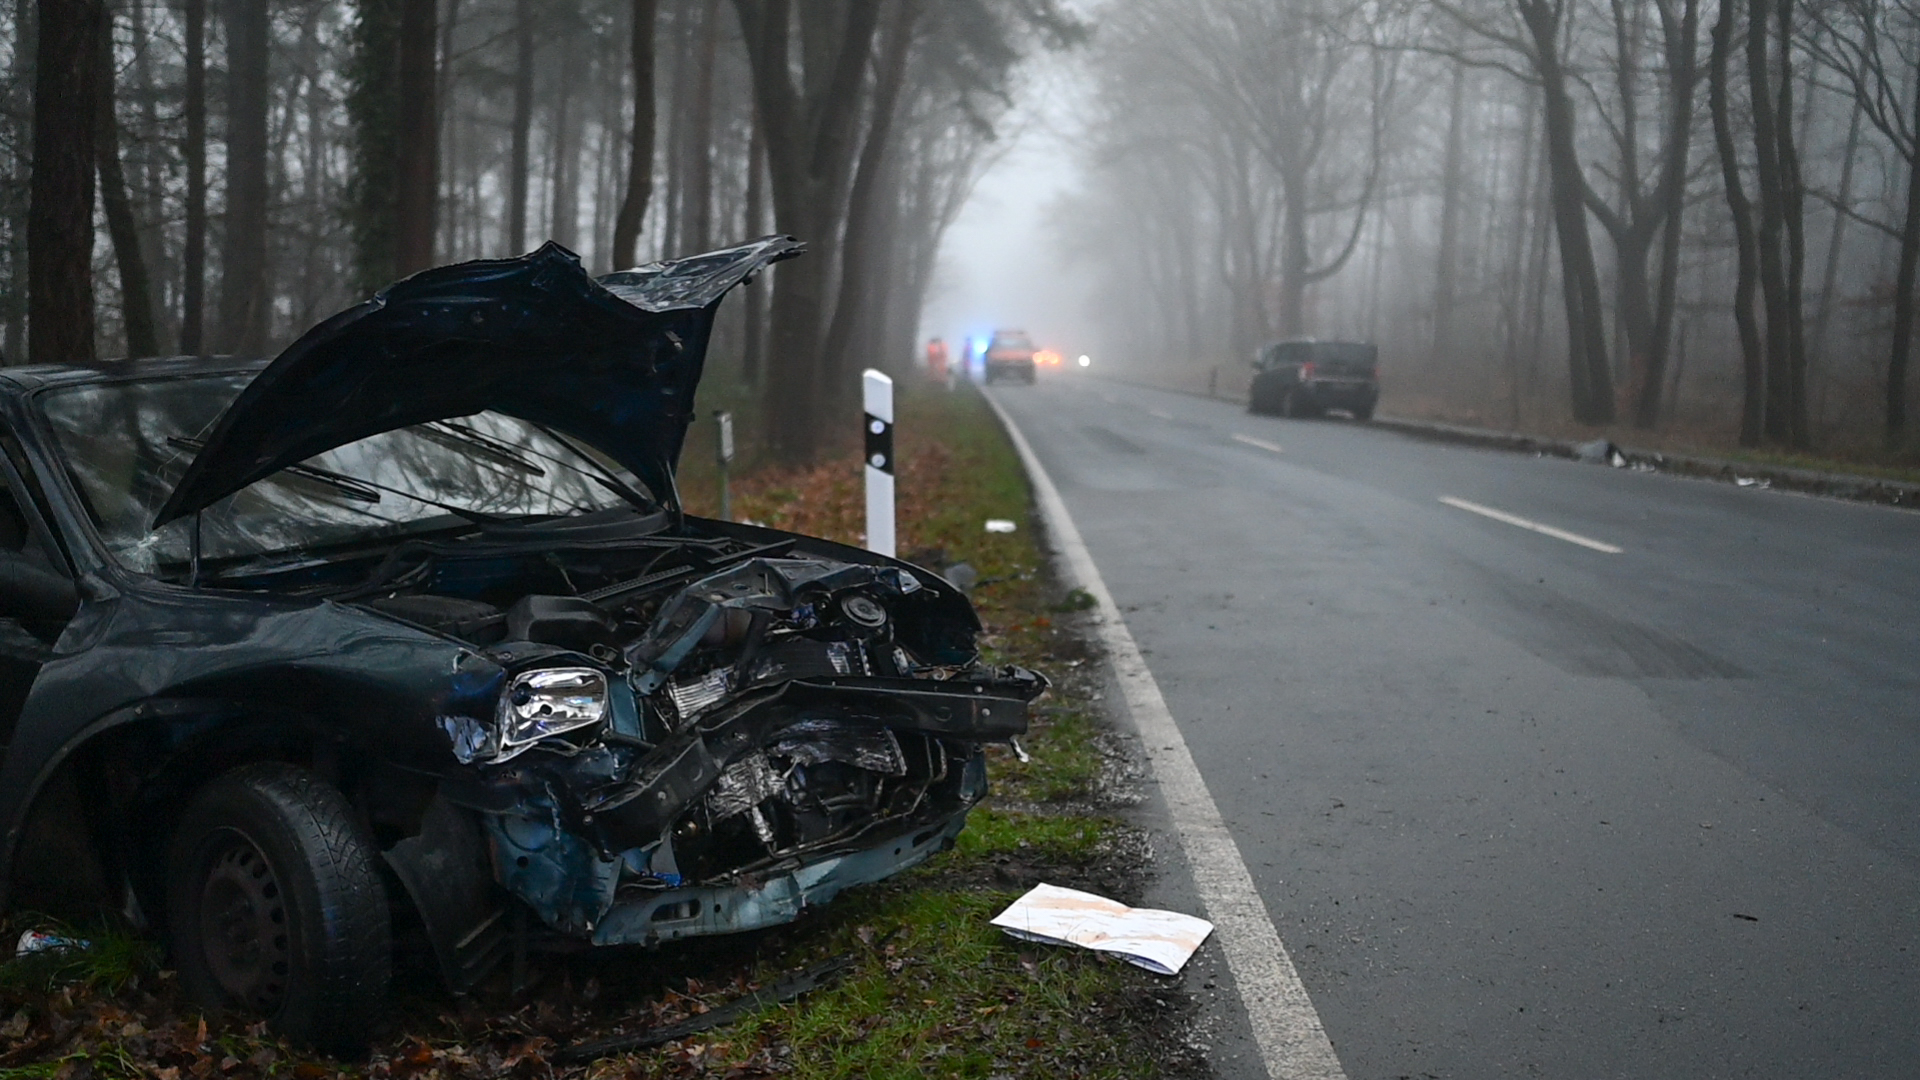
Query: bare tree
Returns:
{"type": "Point", "coordinates": [1881, 68]}
{"type": "Point", "coordinates": [1778, 235]}
{"type": "Point", "coordinates": [1753, 364]}
{"type": "Point", "coordinates": [811, 140]}
{"type": "Point", "coordinates": [416, 172]}
{"type": "Point", "coordinates": [867, 204]}
{"type": "Point", "coordinates": [521, 162]}
{"type": "Point", "coordinates": [60, 219]}
{"type": "Point", "coordinates": [245, 292]}
{"type": "Point", "coordinates": [136, 293]}
{"type": "Point", "coordinates": [193, 151]}
{"type": "Point", "coordinates": [639, 187]}
{"type": "Point", "coordinates": [1649, 209]}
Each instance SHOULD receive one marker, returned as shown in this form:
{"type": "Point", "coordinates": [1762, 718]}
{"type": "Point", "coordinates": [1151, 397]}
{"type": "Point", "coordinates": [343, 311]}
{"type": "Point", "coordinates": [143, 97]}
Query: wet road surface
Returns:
{"type": "Point", "coordinates": [1540, 768]}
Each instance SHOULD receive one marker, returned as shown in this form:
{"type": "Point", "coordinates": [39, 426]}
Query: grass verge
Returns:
{"type": "Point", "coordinates": [934, 990]}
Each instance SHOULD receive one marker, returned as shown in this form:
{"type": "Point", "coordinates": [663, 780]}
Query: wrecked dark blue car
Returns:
{"type": "Point", "coordinates": [408, 625]}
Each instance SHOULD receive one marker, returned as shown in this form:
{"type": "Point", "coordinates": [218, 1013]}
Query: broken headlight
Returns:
{"type": "Point", "coordinates": [549, 701]}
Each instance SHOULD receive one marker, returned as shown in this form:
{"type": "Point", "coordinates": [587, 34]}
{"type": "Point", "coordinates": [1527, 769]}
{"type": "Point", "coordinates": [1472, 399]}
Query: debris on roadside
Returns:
{"type": "Point", "coordinates": [41, 941]}
{"type": "Point", "coordinates": [1160, 941]}
{"type": "Point", "coordinates": [1000, 525]}
{"type": "Point", "coordinates": [1600, 452]}
{"type": "Point", "coordinates": [1752, 482]}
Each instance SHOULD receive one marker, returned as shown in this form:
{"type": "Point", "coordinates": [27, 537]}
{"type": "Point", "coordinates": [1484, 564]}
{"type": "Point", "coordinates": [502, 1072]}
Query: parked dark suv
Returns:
{"type": "Point", "coordinates": [412, 616]}
{"type": "Point", "coordinates": [1305, 378]}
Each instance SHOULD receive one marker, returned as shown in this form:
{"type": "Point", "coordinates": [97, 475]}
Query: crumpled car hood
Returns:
{"type": "Point", "coordinates": [612, 362]}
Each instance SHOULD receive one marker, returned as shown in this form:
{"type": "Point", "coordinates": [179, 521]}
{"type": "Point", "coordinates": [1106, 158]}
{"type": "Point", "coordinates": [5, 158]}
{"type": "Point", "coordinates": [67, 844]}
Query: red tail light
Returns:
{"type": "Point", "coordinates": [1306, 371]}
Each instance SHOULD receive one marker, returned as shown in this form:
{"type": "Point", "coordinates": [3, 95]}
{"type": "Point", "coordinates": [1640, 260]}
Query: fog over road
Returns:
{"type": "Point", "coordinates": [1520, 805]}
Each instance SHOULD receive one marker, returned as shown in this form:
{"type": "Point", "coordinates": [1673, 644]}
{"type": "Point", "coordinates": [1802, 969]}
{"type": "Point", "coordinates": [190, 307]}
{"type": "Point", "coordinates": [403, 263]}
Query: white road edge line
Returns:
{"type": "Point", "coordinates": [1286, 1027]}
{"type": "Point", "coordinates": [1534, 526]}
{"type": "Point", "coordinates": [1160, 414]}
{"type": "Point", "coordinates": [1261, 443]}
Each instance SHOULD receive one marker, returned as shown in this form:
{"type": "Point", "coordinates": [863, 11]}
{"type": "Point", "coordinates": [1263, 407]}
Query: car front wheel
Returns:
{"type": "Point", "coordinates": [275, 906]}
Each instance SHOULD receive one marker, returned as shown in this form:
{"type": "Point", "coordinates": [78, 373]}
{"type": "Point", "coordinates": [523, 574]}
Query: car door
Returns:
{"type": "Point", "coordinates": [36, 601]}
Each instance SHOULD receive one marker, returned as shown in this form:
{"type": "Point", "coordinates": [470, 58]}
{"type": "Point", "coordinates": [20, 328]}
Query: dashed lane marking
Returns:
{"type": "Point", "coordinates": [1531, 526]}
{"type": "Point", "coordinates": [1261, 443]}
{"type": "Point", "coordinates": [1286, 1027]}
{"type": "Point", "coordinates": [1160, 414]}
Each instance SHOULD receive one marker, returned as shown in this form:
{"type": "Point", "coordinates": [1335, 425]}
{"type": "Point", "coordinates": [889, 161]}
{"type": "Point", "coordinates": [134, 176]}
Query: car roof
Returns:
{"type": "Point", "coordinates": [32, 377]}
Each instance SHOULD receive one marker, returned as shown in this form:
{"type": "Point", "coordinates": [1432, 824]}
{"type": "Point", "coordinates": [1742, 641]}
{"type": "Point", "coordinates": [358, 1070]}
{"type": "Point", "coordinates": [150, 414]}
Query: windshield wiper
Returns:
{"type": "Point", "coordinates": [340, 483]}
{"type": "Point", "coordinates": [355, 488]}
{"type": "Point", "coordinates": [455, 436]}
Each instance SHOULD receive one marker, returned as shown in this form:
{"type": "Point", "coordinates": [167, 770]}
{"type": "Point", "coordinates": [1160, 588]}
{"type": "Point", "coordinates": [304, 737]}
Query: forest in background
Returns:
{"type": "Point", "coordinates": [1692, 216]}
{"type": "Point", "coordinates": [186, 176]}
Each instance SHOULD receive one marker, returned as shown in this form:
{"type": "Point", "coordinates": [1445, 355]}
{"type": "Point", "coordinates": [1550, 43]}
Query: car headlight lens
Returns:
{"type": "Point", "coordinates": [549, 701]}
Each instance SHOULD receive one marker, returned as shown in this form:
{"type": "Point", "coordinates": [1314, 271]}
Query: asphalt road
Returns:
{"type": "Point", "coordinates": [1521, 807]}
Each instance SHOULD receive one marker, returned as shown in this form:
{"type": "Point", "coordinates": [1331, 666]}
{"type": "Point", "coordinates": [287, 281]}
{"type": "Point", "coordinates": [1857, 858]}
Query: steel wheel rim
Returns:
{"type": "Point", "coordinates": [243, 924]}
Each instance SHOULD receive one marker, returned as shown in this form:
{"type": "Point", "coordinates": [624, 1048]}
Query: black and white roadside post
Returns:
{"type": "Point", "coordinates": [724, 458]}
{"type": "Point", "coordinates": [877, 391]}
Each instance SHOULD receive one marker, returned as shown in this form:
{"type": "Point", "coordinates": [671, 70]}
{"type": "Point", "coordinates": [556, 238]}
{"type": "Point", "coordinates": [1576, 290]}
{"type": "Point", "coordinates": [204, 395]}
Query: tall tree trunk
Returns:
{"type": "Point", "coordinates": [19, 118]}
{"type": "Point", "coordinates": [243, 249]}
{"type": "Point", "coordinates": [1771, 232]}
{"type": "Point", "coordinates": [1794, 219]}
{"type": "Point", "coordinates": [193, 248]}
{"type": "Point", "coordinates": [811, 144]}
{"type": "Point", "coordinates": [675, 112]}
{"type": "Point", "coordinates": [60, 215]}
{"type": "Point", "coordinates": [446, 228]}
{"type": "Point", "coordinates": [1520, 226]}
{"type": "Point", "coordinates": [698, 147]}
{"type": "Point", "coordinates": [861, 257]}
{"type": "Point", "coordinates": [1590, 380]}
{"type": "Point", "coordinates": [1843, 205]}
{"type": "Point", "coordinates": [1670, 201]}
{"type": "Point", "coordinates": [1752, 363]}
{"type": "Point", "coordinates": [1294, 255]}
{"type": "Point", "coordinates": [373, 105]}
{"type": "Point", "coordinates": [416, 170]}
{"type": "Point", "coordinates": [633, 204]}
{"type": "Point", "coordinates": [564, 202]}
{"type": "Point", "coordinates": [136, 291]}
{"type": "Point", "coordinates": [1450, 184]}
{"type": "Point", "coordinates": [520, 164]}
{"type": "Point", "coordinates": [1903, 300]}
{"type": "Point", "coordinates": [149, 165]}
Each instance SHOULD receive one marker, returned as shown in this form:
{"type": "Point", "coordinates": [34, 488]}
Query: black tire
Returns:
{"type": "Point", "coordinates": [1363, 414]}
{"type": "Point", "coordinates": [1290, 406]}
{"type": "Point", "coordinates": [275, 906]}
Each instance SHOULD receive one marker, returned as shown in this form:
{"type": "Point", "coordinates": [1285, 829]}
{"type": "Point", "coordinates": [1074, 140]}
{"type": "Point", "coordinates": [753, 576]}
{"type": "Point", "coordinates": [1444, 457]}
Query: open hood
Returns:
{"type": "Point", "coordinates": [613, 363]}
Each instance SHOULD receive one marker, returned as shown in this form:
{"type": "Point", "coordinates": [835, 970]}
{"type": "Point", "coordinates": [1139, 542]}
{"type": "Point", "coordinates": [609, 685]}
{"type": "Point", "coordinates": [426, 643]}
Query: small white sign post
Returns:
{"type": "Point", "coordinates": [877, 392]}
{"type": "Point", "coordinates": [724, 458]}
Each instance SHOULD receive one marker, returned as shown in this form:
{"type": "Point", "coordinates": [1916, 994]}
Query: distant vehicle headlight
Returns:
{"type": "Point", "coordinates": [549, 701]}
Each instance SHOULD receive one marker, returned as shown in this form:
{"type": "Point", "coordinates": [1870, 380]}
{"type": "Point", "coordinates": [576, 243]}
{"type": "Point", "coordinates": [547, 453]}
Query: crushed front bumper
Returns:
{"type": "Point", "coordinates": [772, 901]}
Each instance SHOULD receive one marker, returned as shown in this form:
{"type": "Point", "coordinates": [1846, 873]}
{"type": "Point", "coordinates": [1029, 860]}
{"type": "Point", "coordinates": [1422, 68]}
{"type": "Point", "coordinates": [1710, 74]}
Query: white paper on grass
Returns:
{"type": "Point", "coordinates": [1160, 941]}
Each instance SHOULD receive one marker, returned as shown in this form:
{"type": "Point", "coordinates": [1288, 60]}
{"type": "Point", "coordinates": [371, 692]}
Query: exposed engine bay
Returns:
{"type": "Point", "coordinates": [684, 710]}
